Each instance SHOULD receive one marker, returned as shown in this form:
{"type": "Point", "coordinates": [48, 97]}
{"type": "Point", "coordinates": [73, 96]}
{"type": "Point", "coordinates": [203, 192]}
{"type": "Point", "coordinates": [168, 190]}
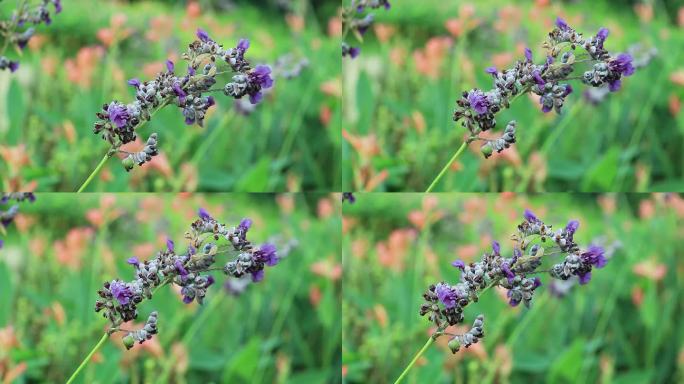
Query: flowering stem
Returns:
{"type": "Point", "coordinates": [97, 170]}
{"type": "Point", "coordinates": [87, 358]}
{"type": "Point", "coordinates": [415, 358]}
{"type": "Point", "coordinates": [453, 158]}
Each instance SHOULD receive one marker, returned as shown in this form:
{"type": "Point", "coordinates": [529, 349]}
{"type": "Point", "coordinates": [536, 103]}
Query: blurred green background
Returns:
{"type": "Point", "coordinates": [400, 93]}
{"type": "Point", "coordinates": [290, 142]}
{"type": "Point", "coordinates": [61, 248]}
{"type": "Point", "coordinates": [623, 327]}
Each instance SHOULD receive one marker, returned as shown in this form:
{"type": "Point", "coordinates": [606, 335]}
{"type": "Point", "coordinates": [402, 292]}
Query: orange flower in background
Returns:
{"type": "Point", "coordinates": [328, 268]}
{"type": "Point", "coordinates": [429, 60]}
{"type": "Point", "coordinates": [646, 209]}
{"type": "Point", "coordinates": [295, 22]}
{"type": "Point", "coordinates": [325, 208]}
{"type": "Point", "coordinates": [680, 17]}
{"type": "Point", "coordinates": [315, 295]}
{"type": "Point", "coordinates": [644, 11]}
{"type": "Point", "coordinates": [674, 104]}
{"type": "Point", "coordinates": [151, 208]}
{"type": "Point", "coordinates": [380, 315]}
{"type": "Point", "coordinates": [335, 27]}
{"type": "Point", "coordinates": [473, 209]}
{"type": "Point", "coordinates": [161, 27]}
{"type": "Point", "coordinates": [286, 202]}
{"type": "Point", "coordinates": [509, 18]}
{"type": "Point", "coordinates": [116, 31]}
{"type": "Point", "coordinates": [144, 251]}
{"type": "Point", "coordinates": [427, 215]}
{"type": "Point", "coordinates": [608, 203]}
{"type": "Point", "coordinates": [650, 269]}
{"type": "Point", "coordinates": [677, 77]}
{"type": "Point", "coordinates": [418, 121]}
{"type": "Point", "coordinates": [366, 146]}
{"type": "Point", "coordinates": [80, 69]}
{"type": "Point", "coordinates": [384, 32]}
{"type": "Point", "coordinates": [193, 10]}
{"type": "Point", "coordinates": [70, 251]}
{"type": "Point", "coordinates": [637, 296]}
{"type": "Point", "coordinates": [105, 213]}
{"type": "Point", "coordinates": [391, 253]}
{"type": "Point", "coordinates": [15, 157]}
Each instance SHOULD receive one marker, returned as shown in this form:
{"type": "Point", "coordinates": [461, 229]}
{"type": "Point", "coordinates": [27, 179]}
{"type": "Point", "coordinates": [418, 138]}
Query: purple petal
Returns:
{"type": "Point", "coordinates": [202, 35]}
{"type": "Point", "coordinates": [459, 264]}
{"type": "Point", "coordinates": [529, 216]}
{"type": "Point", "coordinates": [584, 278]}
{"type": "Point", "coordinates": [258, 276]}
{"type": "Point", "coordinates": [169, 65]}
{"type": "Point", "coordinates": [204, 215]}
{"type": "Point", "coordinates": [133, 261]}
{"type": "Point", "coordinates": [496, 247]}
{"type": "Point", "coordinates": [528, 54]}
{"type": "Point", "coordinates": [169, 244]}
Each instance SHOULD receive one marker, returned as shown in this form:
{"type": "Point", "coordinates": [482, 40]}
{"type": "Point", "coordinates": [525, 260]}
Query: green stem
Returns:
{"type": "Point", "coordinates": [446, 167]}
{"type": "Point", "coordinates": [97, 170]}
{"type": "Point", "coordinates": [87, 358]}
{"type": "Point", "coordinates": [415, 358]}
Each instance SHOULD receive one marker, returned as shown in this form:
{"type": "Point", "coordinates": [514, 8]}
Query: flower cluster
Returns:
{"type": "Point", "coordinates": [358, 25]}
{"type": "Point", "coordinates": [7, 216]}
{"type": "Point", "coordinates": [188, 269]}
{"type": "Point", "coordinates": [118, 122]}
{"type": "Point", "coordinates": [445, 303]}
{"type": "Point", "coordinates": [19, 29]}
{"type": "Point", "coordinates": [476, 109]}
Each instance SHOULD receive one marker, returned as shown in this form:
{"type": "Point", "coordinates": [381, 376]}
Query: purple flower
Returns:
{"type": "Point", "coordinates": [595, 256]}
{"type": "Point", "coordinates": [260, 78]}
{"type": "Point", "coordinates": [584, 278]}
{"type": "Point", "coordinates": [492, 71]}
{"type": "Point", "coordinates": [204, 215]}
{"type": "Point", "coordinates": [601, 37]}
{"type": "Point", "coordinates": [134, 82]}
{"type": "Point", "coordinates": [242, 45]}
{"type": "Point", "coordinates": [118, 114]}
{"type": "Point", "coordinates": [572, 226]}
{"type": "Point", "coordinates": [169, 65]}
{"type": "Point", "coordinates": [267, 254]}
{"type": "Point", "coordinates": [169, 245]}
{"type": "Point", "coordinates": [1, 243]}
{"type": "Point", "coordinates": [180, 268]}
{"type": "Point", "coordinates": [517, 253]}
{"type": "Point", "coordinates": [561, 24]}
{"type": "Point", "coordinates": [528, 54]}
{"type": "Point", "coordinates": [478, 102]}
{"type": "Point", "coordinates": [622, 64]}
{"type": "Point", "coordinates": [258, 276]}
{"type": "Point", "coordinates": [513, 302]}
{"type": "Point", "coordinates": [210, 280]}
{"type": "Point", "coordinates": [120, 292]}
{"type": "Point", "coordinates": [530, 217]}
{"type": "Point", "coordinates": [506, 269]}
{"type": "Point", "coordinates": [568, 90]}
{"type": "Point", "coordinates": [538, 79]}
{"type": "Point", "coordinates": [446, 295]}
{"type": "Point", "coordinates": [354, 52]}
{"type": "Point", "coordinates": [210, 101]}
{"type": "Point", "coordinates": [459, 264]}
{"type": "Point", "coordinates": [191, 71]}
{"type": "Point", "coordinates": [496, 248]}
{"type": "Point", "coordinates": [245, 224]}
{"type": "Point", "coordinates": [191, 250]}
{"type": "Point", "coordinates": [537, 283]}
{"type": "Point", "coordinates": [202, 35]}
{"type": "Point", "coordinates": [179, 92]}
{"type": "Point", "coordinates": [133, 261]}
{"type": "Point", "coordinates": [614, 86]}
{"type": "Point", "coordinates": [13, 66]}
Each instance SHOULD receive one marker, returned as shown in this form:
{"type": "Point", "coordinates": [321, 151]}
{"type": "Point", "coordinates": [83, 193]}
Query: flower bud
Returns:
{"type": "Point", "coordinates": [454, 344]}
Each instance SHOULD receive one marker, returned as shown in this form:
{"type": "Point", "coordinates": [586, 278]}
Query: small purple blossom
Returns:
{"type": "Point", "coordinates": [459, 264]}
{"type": "Point", "coordinates": [492, 71]}
{"type": "Point", "coordinates": [133, 261]}
{"type": "Point", "coordinates": [622, 64]}
{"type": "Point", "coordinates": [446, 295]}
{"type": "Point", "coordinates": [496, 248]}
{"type": "Point", "coordinates": [245, 224]}
{"type": "Point", "coordinates": [508, 273]}
{"type": "Point", "coordinates": [204, 214]}
{"type": "Point", "coordinates": [601, 36]}
{"type": "Point", "coordinates": [528, 54]}
{"type": "Point", "coordinates": [595, 256]}
{"type": "Point", "coordinates": [180, 268]}
{"type": "Point", "coordinates": [572, 227]}
{"type": "Point", "coordinates": [561, 24]}
{"type": "Point", "coordinates": [584, 278]}
{"type": "Point", "coordinates": [267, 254]}
{"type": "Point", "coordinates": [169, 245]}
{"type": "Point", "coordinates": [202, 35]}
{"type": "Point", "coordinates": [120, 291]}
{"type": "Point", "coordinates": [169, 66]}
{"type": "Point", "coordinates": [478, 102]}
{"type": "Point", "coordinates": [134, 82]}
{"type": "Point", "coordinates": [118, 114]}
{"type": "Point", "coordinates": [530, 217]}
{"type": "Point", "coordinates": [258, 276]}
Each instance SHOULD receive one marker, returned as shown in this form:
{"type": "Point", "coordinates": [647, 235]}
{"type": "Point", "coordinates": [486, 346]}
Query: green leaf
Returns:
{"type": "Point", "coordinates": [568, 365]}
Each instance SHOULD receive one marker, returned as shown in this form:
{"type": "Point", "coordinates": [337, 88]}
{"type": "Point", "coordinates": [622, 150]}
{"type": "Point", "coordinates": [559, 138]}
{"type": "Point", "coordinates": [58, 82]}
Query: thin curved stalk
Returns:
{"type": "Point", "coordinates": [95, 171]}
{"type": "Point", "coordinates": [446, 167]}
{"type": "Point", "coordinates": [415, 358]}
{"type": "Point", "coordinates": [87, 358]}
